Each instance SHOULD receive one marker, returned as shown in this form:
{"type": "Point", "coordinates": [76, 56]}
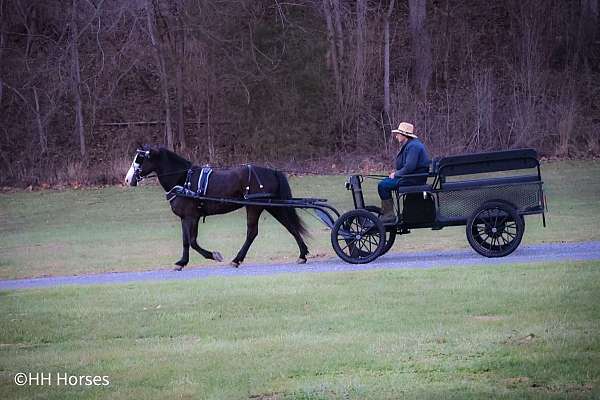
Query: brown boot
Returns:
{"type": "Point", "coordinates": [388, 215]}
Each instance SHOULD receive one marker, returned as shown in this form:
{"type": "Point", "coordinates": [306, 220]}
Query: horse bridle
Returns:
{"type": "Point", "coordinates": [140, 155]}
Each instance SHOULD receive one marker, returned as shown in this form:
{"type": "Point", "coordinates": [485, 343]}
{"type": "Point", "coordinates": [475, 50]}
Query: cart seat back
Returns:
{"type": "Point", "coordinates": [500, 181]}
{"type": "Point", "coordinates": [485, 162]}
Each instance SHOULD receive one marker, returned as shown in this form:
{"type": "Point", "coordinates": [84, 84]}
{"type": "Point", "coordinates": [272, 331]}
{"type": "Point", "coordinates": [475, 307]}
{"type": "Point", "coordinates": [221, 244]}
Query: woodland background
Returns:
{"type": "Point", "coordinates": [313, 84]}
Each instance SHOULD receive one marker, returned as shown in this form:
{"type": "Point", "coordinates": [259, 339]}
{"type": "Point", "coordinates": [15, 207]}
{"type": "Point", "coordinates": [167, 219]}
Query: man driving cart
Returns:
{"type": "Point", "coordinates": [411, 159]}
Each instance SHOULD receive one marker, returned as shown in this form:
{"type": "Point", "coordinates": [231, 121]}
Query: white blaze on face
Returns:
{"type": "Point", "coordinates": [129, 177]}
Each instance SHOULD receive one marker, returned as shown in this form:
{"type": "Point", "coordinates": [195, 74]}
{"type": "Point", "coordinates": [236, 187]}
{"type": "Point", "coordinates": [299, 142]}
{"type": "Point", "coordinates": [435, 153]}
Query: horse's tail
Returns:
{"type": "Point", "coordinates": [285, 192]}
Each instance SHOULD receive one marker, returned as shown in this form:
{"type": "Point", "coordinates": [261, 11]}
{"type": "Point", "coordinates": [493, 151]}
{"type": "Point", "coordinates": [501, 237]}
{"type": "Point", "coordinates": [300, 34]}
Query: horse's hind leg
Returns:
{"type": "Point", "coordinates": [211, 255]}
{"type": "Point", "coordinates": [252, 217]}
{"type": "Point", "coordinates": [280, 215]}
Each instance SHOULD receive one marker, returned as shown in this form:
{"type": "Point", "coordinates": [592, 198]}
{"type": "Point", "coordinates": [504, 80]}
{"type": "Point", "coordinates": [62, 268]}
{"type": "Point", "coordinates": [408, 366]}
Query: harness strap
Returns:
{"type": "Point", "coordinates": [203, 180]}
{"type": "Point", "coordinates": [260, 185]}
{"type": "Point", "coordinates": [188, 179]}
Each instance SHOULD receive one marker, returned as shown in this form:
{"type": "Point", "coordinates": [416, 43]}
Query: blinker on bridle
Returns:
{"type": "Point", "coordinates": [140, 156]}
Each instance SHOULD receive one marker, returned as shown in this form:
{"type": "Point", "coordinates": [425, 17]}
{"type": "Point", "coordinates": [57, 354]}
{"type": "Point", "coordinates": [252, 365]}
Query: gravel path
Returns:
{"type": "Point", "coordinates": [524, 255]}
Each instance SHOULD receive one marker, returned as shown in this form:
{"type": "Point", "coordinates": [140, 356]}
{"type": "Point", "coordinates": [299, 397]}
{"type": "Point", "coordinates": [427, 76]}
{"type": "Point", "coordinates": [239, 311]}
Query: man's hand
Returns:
{"type": "Point", "coordinates": [392, 175]}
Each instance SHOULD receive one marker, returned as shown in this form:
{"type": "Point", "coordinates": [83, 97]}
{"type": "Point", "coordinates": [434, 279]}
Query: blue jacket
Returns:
{"type": "Point", "coordinates": [412, 159]}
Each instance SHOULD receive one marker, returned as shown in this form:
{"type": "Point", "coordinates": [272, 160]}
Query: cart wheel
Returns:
{"type": "Point", "coordinates": [390, 234]}
{"type": "Point", "coordinates": [358, 237]}
{"type": "Point", "coordinates": [495, 229]}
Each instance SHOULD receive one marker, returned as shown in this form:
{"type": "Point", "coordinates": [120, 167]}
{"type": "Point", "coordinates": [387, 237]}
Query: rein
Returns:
{"type": "Point", "coordinates": [155, 175]}
{"type": "Point", "coordinates": [251, 172]}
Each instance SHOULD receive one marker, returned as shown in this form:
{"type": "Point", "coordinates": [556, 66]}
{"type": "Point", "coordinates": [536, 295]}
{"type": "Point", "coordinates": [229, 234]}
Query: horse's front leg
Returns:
{"type": "Point", "coordinates": [252, 217]}
{"type": "Point", "coordinates": [187, 225]}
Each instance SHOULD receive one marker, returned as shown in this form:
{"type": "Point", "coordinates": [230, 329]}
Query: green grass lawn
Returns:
{"type": "Point", "coordinates": [476, 332]}
{"type": "Point", "coordinates": [123, 229]}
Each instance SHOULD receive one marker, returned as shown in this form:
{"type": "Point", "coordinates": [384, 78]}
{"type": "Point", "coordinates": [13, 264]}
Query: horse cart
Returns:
{"type": "Point", "coordinates": [469, 190]}
{"type": "Point", "coordinates": [474, 190]}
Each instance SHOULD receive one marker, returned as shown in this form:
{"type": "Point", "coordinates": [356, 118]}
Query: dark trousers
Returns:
{"type": "Point", "coordinates": [386, 186]}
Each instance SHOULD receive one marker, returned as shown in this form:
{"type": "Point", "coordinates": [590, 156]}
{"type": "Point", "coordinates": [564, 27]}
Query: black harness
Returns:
{"type": "Point", "coordinates": [192, 188]}
{"type": "Point", "coordinates": [197, 191]}
{"type": "Point", "coordinates": [261, 194]}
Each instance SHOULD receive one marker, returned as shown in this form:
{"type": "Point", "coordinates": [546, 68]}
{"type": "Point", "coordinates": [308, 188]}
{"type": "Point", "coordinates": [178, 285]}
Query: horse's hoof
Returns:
{"type": "Point", "coordinates": [217, 256]}
{"type": "Point", "coordinates": [301, 261]}
{"type": "Point", "coordinates": [181, 263]}
{"type": "Point", "coordinates": [177, 268]}
{"type": "Point", "coordinates": [235, 264]}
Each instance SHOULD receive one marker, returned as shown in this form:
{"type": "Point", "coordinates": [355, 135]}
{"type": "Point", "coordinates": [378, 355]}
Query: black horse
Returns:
{"type": "Point", "coordinates": [172, 170]}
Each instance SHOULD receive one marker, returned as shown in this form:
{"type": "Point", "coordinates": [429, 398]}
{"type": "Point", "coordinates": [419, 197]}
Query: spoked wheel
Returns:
{"type": "Point", "coordinates": [390, 234]}
{"type": "Point", "coordinates": [495, 229]}
{"type": "Point", "coordinates": [358, 237]}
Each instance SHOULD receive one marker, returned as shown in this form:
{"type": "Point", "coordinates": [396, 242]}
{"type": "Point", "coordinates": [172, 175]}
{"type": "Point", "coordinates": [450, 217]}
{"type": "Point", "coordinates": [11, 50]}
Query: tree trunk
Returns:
{"type": "Point", "coordinates": [386, 70]}
{"type": "Point", "coordinates": [3, 23]}
{"type": "Point", "coordinates": [39, 124]}
{"type": "Point", "coordinates": [180, 101]}
{"type": "Point", "coordinates": [588, 27]}
{"type": "Point", "coordinates": [421, 44]}
{"type": "Point", "coordinates": [209, 128]}
{"type": "Point", "coordinates": [77, 83]}
{"type": "Point", "coordinates": [359, 71]}
{"type": "Point", "coordinates": [339, 32]}
{"type": "Point", "coordinates": [179, 59]}
{"type": "Point", "coordinates": [360, 63]}
{"type": "Point", "coordinates": [333, 50]}
{"type": "Point", "coordinates": [162, 69]}
{"type": "Point", "coordinates": [589, 12]}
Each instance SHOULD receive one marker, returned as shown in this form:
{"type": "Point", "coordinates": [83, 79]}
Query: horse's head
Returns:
{"type": "Point", "coordinates": [144, 163]}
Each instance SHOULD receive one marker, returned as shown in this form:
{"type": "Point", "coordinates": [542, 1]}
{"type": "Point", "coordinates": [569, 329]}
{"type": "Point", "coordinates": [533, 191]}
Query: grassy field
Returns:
{"type": "Point", "coordinates": [508, 332]}
{"type": "Point", "coordinates": [122, 229]}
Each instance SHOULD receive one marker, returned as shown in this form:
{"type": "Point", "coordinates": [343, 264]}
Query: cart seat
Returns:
{"type": "Point", "coordinates": [413, 189]}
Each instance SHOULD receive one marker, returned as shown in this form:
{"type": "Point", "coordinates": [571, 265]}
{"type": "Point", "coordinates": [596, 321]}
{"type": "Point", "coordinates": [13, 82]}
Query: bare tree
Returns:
{"type": "Point", "coordinates": [335, 53]}
{"type": "Point", "coordinates": [386, 68]}
{"type": "Point", "coordinates": [339, 31]}
{"type": "Point", "coordinates": [151, 16]}
{"type": "Point", "coordinates": [421, 45]}
{"type": "Point", "coordinates": [588, 26]}
{"type": "Point", "coordinates": [40, 126]}
{"type": "Point", "coordinates": [3, 24]}
{"type": "Point", "coordinates": [483, 88]}
{"type": "Point", "coordinates": [76, 79]}
{"type": "Point", "coordinates": [178, 52]}
{"type": "Point", "coordinates": [361, 43]}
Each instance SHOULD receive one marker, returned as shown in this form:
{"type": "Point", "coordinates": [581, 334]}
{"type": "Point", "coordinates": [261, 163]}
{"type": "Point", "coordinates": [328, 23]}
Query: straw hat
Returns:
{"type": "Point", "coordinates": [405, 129]}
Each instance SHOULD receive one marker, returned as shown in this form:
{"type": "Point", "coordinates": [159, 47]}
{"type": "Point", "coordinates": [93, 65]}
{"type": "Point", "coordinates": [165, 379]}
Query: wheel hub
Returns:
{"type": "Point", "coordinates": [494, 231]}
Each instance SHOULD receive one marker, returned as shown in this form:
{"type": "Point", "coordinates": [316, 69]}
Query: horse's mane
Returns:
{"type": "Point", "coordinates": [176, 157]}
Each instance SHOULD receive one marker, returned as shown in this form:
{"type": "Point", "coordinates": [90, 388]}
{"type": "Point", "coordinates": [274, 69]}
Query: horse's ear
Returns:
{"type": "Point", "coordinates": [147, 149]}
